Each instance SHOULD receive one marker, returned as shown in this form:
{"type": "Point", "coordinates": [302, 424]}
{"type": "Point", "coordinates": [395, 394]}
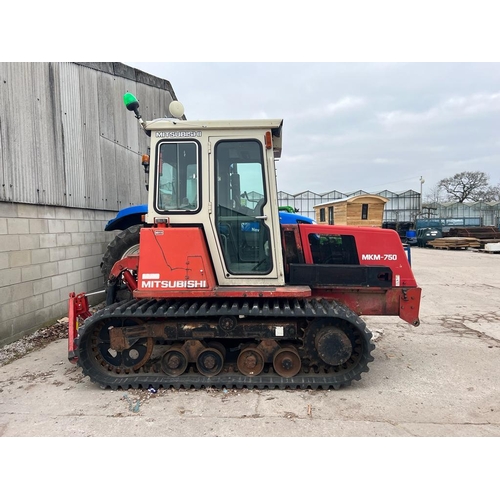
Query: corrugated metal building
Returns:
{"type": "Point", "coordinates": [70, 158]}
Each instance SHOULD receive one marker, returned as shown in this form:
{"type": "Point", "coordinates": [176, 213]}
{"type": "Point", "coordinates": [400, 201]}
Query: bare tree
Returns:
{"type": "Point", "coordinates": [434, 195]}
{"type": "Point", "coordinates": [469, 186]}
{"type": "Point", "coordinates": [491, 193]}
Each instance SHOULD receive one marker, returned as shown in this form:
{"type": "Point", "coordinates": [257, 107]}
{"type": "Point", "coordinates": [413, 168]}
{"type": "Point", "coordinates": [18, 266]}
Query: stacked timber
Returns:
{"type": "Point", "coordinates": [454, 243]}
{"type": "Point", "coordinates": [481, 233]}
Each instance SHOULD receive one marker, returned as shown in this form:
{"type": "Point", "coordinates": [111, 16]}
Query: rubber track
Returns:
{"type": "Point", "coordinates": [151, 309]}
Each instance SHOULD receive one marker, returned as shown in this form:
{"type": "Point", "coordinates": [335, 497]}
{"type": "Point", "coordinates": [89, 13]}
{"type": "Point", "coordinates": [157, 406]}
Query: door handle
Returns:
{"type": "Point", "coordinates": [261, 217]}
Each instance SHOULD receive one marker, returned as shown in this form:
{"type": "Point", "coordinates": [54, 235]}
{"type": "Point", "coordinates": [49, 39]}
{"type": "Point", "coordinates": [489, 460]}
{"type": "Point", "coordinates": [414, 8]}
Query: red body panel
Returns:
{"type": "Point", "coordinates": [375, 246]}
{"type": "Point", "coordinates": [404, 303]}
{"type": "Point", "coordinates": [174, 259]}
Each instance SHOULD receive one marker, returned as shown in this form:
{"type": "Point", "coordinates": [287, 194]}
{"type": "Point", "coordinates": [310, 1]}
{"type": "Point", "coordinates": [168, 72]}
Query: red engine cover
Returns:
{"type": "Point", "coordinates": [375, 247]}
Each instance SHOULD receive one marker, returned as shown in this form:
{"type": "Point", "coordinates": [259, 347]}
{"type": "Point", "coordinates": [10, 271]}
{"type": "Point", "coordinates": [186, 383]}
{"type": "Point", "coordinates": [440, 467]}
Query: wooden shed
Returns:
{"type": "Point", "coordinates": [360, 210]}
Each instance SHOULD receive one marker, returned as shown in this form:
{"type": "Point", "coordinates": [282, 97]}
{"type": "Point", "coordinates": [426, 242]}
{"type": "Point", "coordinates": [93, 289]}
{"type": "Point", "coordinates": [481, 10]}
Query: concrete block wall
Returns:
{"type": "Point", "coordinates": [46, 252]}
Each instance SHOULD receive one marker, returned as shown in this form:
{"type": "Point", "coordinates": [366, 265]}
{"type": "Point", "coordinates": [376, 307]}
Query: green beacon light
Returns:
{"type": "Point", "coordinates": [131, 103]}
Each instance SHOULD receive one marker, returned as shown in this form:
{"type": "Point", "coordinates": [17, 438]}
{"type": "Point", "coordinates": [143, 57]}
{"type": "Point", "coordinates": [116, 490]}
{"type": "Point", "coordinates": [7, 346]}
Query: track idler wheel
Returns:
{"type": "Point", "coordinates": [333, 346]}
{"type": "Point", "coordinates": [250, 361]}
{"type": "Point", "coordinates": [175, 361]}
{"type": "Point", "coordinates": [119, 361]}
{"type": "Point", "coordinates": [210, 361]}
{"type": "Point", "coordinates": [286, 362]}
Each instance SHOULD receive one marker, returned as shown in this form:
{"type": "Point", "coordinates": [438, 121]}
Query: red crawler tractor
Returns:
{"type": "Point", "coordinates": [225, 296]}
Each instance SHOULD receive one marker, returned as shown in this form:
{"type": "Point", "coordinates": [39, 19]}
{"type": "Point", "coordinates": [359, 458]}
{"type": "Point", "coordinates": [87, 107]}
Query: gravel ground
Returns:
{"type": "Point", "coordinates": [38, 340]}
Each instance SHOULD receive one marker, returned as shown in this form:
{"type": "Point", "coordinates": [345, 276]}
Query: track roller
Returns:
{"type": "Point", "coordinates": [250, 361]}
{"type": "Point", "coordinates": [175, 361]}
{"type": "Point", "coordinates": [287, 362]}
{"type": "Point", "coordinates": [210, 362]}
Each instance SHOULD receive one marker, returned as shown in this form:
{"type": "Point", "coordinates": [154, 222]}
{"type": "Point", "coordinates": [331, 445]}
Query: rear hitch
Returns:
{"type": "Point", "coordinates": [78, 311]}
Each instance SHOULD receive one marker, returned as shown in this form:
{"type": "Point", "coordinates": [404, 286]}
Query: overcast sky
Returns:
{"type": "Point", "coordinates": [351, 126]}
{"type": "Point", "coordinates": [347, 125]}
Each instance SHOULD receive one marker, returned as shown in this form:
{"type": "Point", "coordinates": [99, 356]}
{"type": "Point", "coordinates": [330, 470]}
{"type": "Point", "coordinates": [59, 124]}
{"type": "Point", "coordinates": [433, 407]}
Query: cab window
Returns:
{"type": "Point", "coordinates": [333, 249]}
{"type": "Point", "coordinates": [177, 177]}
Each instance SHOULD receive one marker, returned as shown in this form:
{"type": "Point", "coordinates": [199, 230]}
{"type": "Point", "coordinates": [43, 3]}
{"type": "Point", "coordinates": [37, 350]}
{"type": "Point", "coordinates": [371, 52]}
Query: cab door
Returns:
{"type": "Point", "coordinates": [244, 215]}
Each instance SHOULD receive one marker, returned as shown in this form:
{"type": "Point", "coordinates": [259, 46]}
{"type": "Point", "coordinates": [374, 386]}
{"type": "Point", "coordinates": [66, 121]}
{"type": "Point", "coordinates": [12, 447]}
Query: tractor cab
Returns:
{"type": "Point", "coordinates": [218, 177]}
